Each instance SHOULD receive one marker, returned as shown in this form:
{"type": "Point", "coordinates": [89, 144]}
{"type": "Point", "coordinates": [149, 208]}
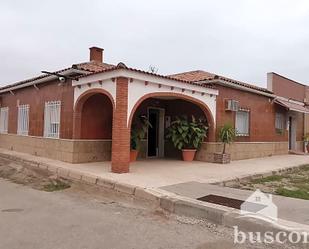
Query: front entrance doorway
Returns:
{"type": "Point", "coordinates": [155, 139]}
{"type": "Point", "coordinates": [290, 133]}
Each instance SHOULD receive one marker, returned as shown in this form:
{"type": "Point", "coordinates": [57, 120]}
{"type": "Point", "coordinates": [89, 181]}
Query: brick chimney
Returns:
{"type": "Point", "coordinates": [96, 54]}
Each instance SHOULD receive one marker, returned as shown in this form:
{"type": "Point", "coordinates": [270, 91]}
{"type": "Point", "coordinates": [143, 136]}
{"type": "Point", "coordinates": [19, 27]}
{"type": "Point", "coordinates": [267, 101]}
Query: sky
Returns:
{"type": "Point", "coordinates": [241, 39]}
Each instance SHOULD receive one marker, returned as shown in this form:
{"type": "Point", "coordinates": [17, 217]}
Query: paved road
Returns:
{"type": "Point", "coordinates": [32, 219]}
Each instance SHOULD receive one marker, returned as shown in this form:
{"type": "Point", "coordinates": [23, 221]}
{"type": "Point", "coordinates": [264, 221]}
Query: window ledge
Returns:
{"type": "Point", "coordinates": [242, 135]}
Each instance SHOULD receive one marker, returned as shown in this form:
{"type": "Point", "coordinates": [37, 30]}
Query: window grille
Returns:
{"type": "Point", "coordinates": [23, 120]}
{"type": "Point", "coordinates": [242, 123]}
{"type": "Point", "coordinates": [4, 118]}
{"type": "Point", "coordinates": [279, 124]}
{"type": "Point", "coordinates": [52, 119]}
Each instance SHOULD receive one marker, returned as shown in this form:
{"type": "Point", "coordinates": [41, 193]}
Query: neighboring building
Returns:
{"type": "Point", "coordinates": [88, 116]}
{"type": "Point", "coordinates": [294, 97]}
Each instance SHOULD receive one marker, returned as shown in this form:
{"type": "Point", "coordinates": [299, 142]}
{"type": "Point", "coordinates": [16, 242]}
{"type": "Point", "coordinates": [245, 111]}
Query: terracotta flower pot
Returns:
{"type": "Point", "coordinates": [133, 155]}
{"type": "Point", "coordinates": [188, 154]}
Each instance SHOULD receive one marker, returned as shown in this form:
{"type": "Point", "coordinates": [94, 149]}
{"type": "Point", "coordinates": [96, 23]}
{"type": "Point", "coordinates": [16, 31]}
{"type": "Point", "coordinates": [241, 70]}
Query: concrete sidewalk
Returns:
{"type": "Point", "coordinates": [290, 209]}
{"type": "Point", "coordinates": [159, 173]}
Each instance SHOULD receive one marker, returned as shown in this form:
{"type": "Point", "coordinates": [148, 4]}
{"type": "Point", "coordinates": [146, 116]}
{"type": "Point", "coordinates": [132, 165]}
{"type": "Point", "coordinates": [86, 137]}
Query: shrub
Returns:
{"type": "Point", "coordinates": [187, 133]}
{"type": "Point", "coordinates": [138, 131]}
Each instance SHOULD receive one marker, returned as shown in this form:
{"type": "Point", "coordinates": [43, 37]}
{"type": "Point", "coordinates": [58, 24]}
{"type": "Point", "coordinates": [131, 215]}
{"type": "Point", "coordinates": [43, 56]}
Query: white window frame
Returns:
{"type": "Point", "coordinates": [52, 113]}
{"type": "Point", "coordinates": [4, 120]}
{"type": "Point", "coordinates": [242, 133]}
{"type": "Point", "coordinates": [23, 120]}
{"type": "Point", "coordinates": [279, 121]}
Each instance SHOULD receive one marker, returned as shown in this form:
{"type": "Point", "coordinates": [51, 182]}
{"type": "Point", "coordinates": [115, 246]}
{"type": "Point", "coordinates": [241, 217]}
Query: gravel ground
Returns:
{"type": "Point", "coordinates": [89, 217]}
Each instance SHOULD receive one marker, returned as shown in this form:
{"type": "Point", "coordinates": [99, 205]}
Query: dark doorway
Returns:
{"type": "Point", "coordinates": [153, 132]}
{"type": "Point", "coordinates": [290, 133]}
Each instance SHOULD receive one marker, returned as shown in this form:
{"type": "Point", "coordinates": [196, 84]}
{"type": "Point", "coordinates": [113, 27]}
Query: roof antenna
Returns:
{"type": "Point", "coordinates": [153, 69]}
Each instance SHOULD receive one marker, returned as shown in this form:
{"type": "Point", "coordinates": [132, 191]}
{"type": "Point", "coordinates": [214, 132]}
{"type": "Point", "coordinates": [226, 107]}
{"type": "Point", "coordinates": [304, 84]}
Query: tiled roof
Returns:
{"type": "Point", "coordinates": [91, 67]}
{"type": "Point", "coordinates": [199, 75]}
{"type": "Point", "coordinates": [123, 66]}
{"type": "Point", "coordinates": [292, 106]}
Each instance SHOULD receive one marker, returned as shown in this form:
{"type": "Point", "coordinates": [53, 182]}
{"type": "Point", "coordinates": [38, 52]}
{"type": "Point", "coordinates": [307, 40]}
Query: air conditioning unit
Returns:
{"type": "Point", "coordinates": [231, 105]}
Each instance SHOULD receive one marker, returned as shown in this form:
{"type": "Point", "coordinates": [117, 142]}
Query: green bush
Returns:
{"type": "Point", "coordinates": [187, 133]}
{"type": "Point", "coordinates": [138, 131]}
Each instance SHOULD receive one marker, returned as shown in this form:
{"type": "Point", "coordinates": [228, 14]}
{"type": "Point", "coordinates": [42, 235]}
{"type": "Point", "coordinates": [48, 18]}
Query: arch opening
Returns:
{"type": "Point", "coordinates": [93, 116]}
{"type": "Point", "coordinates": [96, 118]}
{"type": "Point", "coordinates": [161, 109]}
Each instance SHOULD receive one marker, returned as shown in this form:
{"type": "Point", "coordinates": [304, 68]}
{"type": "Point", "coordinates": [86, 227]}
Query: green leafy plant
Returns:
{"type": "Point", "coordinates": [227, 135]}
{"type": "Point", "coordinates": [138, 131]}
{"type": "Point", "coordinates": [306, 137]}
{"type": "Point", "coordinates": [187, 133]}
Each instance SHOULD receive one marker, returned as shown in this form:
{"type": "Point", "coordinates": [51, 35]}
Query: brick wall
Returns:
{"type": "Point", "coordinates": [285, 87]}
{"type": "Point", "coordinates": [262, 115]}
{"type": "Point", "coordinates": [121, 131]}
{"type": "Point", "coordinates": [96, 118]}
{"type": "Point", "coordinates": [36, 99]}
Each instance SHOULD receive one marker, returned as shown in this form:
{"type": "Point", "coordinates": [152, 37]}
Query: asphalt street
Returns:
{"type": "Point", "coordinates": [78, 219]}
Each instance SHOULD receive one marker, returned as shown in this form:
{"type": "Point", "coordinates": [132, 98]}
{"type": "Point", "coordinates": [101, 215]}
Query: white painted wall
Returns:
{"type": "Point", "coordinates": [107, 85]}
{"type": "Point", "coordinates": [138, 89]}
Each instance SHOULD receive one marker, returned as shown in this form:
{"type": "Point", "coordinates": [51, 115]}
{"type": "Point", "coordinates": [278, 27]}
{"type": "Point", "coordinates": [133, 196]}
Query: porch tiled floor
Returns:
{"type": "Point", "coordinates": [159, 173]}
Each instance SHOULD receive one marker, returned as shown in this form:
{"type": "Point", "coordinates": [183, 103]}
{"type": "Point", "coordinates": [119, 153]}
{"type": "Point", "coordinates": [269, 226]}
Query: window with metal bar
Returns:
{"type": "Point", "coordinates": [280, 120]}
{"type": "Point", "coordinates": [52, 119]}
{"type": "Point", "coordinates": [242, 123]}
{"type": "Point", "coordinates": [4, 119]}
{"type": "Point", "coordinates": [23, 120]}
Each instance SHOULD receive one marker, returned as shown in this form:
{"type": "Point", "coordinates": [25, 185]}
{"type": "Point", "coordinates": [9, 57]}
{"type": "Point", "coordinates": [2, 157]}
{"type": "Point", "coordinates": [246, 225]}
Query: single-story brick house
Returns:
{"type": "Point", "coordinates": [84, 113]}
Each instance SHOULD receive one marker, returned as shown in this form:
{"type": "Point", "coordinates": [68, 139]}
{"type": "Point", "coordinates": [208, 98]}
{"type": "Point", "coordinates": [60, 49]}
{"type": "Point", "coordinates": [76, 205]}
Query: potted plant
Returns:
{"type": "Point", "coordinates": [138, 131]}
{"type": "Point", "coordinates": [226, 136]}
{"type": "Point", "coordinates": [306, 141]}
{"type": "Point", "coordinates": [187, 135]}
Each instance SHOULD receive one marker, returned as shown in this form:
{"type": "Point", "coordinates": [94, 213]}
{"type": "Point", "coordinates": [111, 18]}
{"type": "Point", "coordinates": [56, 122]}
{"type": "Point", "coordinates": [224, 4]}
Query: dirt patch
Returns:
{"type": "Point", "coordinates": [292, 183]}
{"type": "Point", "coordinates": [31, 176]}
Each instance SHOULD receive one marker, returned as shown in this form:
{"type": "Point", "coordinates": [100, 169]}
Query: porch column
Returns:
{"type": "Point", "coordinates": [121, 131]}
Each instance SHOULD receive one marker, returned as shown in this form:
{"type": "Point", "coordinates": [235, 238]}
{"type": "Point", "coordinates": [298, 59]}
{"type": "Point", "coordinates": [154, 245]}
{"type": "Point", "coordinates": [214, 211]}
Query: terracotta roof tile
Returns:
{"type": "Point", "coordinates": [123, 66]}
{"type": "Point", "coordinates": [91, 67]}
{"type": "Point", "coordinates": [292, 105]}
{"type": "Point", "coordinates": [199, 76]}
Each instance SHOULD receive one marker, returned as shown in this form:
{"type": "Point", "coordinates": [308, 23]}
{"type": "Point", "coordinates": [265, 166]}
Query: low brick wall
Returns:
{"type": "Point", "coordinates": [67, 150]}
{"type": "Point", "coordinates": [242, 150]}
{"type": "Point", "coordinates": [238, 150]}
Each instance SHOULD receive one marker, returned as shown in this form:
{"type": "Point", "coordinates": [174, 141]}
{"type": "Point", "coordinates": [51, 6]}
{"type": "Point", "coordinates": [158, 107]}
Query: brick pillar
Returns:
{"type": "Point", "coordinates": [121, 132]}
